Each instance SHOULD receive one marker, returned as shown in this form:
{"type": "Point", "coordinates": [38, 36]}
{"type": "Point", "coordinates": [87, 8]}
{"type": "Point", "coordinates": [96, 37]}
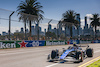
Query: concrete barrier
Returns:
{"type": "Point", "coordinates": [35, 43]}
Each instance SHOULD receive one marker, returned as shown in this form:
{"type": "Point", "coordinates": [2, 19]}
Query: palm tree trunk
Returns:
{"type": "Point", "coordinates": [71, 31]}
{"type": "Point", "coordinates": [95, 32]}
{"type": "Point", "coordinates": [25, 29]}
{"type": "Point", "coordinates": [30, 28]}
{"type": "Point", "coordinates": [77, 30]}
{"type": "Point", "coordinates": [38, 31]}
{"type": "Point", "coordinates": [65, 32]}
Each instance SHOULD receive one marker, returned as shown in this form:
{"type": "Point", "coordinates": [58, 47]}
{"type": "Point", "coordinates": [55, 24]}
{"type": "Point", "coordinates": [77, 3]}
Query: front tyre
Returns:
{"type": "Point", "coordinates": [53, 54]}
{"type": "Point", "coordinates": [89, 52]}
{"type": "Point", "coordinates": [79, 56]}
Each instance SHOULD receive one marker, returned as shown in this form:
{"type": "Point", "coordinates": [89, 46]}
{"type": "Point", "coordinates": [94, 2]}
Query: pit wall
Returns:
{"type": "Point", "coordinates": [24, 43]}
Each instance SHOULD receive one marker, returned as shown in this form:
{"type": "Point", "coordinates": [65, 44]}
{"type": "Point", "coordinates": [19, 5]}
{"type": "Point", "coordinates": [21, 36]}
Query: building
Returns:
{"type": "Point", "coordinates": [49, 27]}
{"type": "Point", "coordinates": [87, 30]}
{"type": "Point", "coordinates": [4, 33]}
{"type": "Point", "coordinates": [22, 31]}
{"type": "Point", "coordinates": [27, 31]}
{"type": "Point", "coordinates": [36, 29]}
{"type": "Point", "coordinates": [55, 31]}
{"type": "Point", "coordinates": [67, 31]}
{"type": "Point", "coordinates": [32, 30]}
{"type": "Point", "coordinates": [59, 28]}
{"type": "Point", "coordinates": [17, 31]}
{"type": "Point", "coordinates": [45, 31]}
{"type": "Point", "coordinates": [79, 30]}
{"type": "Point", "coordinates": [40, 30]}
{"type": "Point", "coordinates": [74, 31]}
{"type": "Point", "coordinates": [91, 30]}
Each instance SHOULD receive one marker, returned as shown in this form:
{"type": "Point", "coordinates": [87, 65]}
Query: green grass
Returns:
{"type": "Point", "coordinates": [95, 64]}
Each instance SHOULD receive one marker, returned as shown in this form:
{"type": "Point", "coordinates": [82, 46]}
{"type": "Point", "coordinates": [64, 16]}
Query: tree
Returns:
{"type": "Point", "coordinates": [95, 22]}
{"type": "Point", "coordinates": [69, 20]}
{"type": "Point", "coordinates": [30, 10]}
{"type": "Point", "coordinates": [50, 34]}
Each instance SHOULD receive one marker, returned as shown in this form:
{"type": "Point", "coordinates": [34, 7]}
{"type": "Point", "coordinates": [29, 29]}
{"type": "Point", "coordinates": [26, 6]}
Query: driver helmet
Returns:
{"type": "Point", "coordinates": [75, 45]}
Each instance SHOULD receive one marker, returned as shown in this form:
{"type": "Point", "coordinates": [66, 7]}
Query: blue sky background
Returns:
{"type": "Point", "coordinates": [53, 9]}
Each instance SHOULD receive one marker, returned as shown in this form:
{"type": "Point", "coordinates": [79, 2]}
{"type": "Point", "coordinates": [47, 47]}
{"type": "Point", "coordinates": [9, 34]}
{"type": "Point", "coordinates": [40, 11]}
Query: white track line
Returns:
{"type": "Point", "coordinates": [52, 65]}
{"type": "Point", "coordinates": [97, 51]}
{"type": "Point", "coordinates": [2, 54]}
{"type": "Point", "coordinates": [22, 51]}
{"type": "Point", "coordinates": [59, 63]}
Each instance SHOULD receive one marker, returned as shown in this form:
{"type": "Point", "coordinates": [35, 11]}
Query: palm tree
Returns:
{"type": "Point", "coordinates": [29, 11]}
{"type": "Point", "coordinates": [95, 22]}
{"type": "Point", "coordinates": [69, 20]}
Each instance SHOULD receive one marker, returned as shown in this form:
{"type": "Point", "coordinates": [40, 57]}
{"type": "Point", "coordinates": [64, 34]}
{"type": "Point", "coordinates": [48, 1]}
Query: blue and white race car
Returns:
{"type": "Point", "coordinates": [73, 53]}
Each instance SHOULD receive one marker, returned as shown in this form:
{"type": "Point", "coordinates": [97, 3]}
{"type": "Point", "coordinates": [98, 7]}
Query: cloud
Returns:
{"type": "Point", "coordinates": [88, 20]}
{"type": "Point", "coordinates": [82, 23]}
{"type": "Point", "coordinates": [89, 15]}
{"type": "Point", "coordinates": [45, 25]}
{"type": "Point", "coordinates": [5, 29]}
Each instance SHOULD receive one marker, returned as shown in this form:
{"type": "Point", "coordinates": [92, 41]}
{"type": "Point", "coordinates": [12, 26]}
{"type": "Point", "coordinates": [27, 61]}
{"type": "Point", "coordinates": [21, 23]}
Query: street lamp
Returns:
{"type": "Point", "coordinates": [48, 24]}
{"type": "Point", "coordinates": [10, 23]}
{"type": "Point", "coordinates": [38, 29]}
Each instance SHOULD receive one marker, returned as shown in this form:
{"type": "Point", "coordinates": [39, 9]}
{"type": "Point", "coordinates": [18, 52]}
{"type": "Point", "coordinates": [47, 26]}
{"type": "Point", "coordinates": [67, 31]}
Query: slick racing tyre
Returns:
{"type": "Point", "coordinates": [89, 52]}
{"type": "Point", "coordinates": [79, 56]}
{"type": "Point", "coordinates": [53, 54]}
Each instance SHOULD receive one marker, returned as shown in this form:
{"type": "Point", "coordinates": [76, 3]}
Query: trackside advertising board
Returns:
{"type": "Point", "coordinates": [55, 43]}
{"type": "Point", "coordinates": [91, 41]}
{"type": "Point", "coordinates": [84, 42]}
{"type": "Point", "coordinates": [72, 42]}
{"type": "Point", "coordinates": [24, 43]}
{"type": "Point", "coordinates": [96, 41]}
{"type": "Point", "coordinates": [7, 44]}
{"type": "Point", "coordinates": [20, 44]}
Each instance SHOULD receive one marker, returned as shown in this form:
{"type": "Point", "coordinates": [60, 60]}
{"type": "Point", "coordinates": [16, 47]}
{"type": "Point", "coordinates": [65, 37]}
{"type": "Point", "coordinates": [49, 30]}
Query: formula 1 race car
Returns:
{"type": "Point", "coordinates": [73, 53]}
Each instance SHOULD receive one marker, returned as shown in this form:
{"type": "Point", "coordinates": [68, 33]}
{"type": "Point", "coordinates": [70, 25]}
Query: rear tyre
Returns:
{"type": "Point", "coordinates": [89, 52]}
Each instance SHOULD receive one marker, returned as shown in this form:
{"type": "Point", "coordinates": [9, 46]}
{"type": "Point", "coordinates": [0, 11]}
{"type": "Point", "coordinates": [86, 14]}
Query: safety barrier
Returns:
{"type": "Point", "coordinates": [24, 43]}
{"type": "Point", "coordinates": [72, 42]}
{"type": "Point", "coordinates": [55, 43]}
{"type": "Point", "coordinates": [96, 41]}
{"type": "Point", "coordinates": [19, 44]}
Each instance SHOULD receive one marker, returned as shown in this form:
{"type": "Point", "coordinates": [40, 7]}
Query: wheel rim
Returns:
{"type": "Point", "coordinates": [82, 56]}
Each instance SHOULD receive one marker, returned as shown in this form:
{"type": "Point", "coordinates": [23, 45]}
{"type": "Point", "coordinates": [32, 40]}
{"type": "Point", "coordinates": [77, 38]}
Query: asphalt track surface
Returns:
{"type": "Point", "coordinates": [37, 57]}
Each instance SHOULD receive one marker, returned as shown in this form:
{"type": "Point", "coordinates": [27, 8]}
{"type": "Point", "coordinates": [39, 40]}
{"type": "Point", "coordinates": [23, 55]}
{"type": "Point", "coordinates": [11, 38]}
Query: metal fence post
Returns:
{"type": "Point", "coordinates": [10, 23]}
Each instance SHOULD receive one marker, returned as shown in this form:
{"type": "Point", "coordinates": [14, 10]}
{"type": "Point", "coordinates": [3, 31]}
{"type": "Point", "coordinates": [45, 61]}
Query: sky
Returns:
{"type": "Point", "coordinates": [53, 9]}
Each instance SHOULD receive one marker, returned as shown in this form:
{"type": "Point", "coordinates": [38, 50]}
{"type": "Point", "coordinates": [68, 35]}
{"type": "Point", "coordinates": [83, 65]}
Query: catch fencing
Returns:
{"type": "Point", "coordinates": [41, 29]}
